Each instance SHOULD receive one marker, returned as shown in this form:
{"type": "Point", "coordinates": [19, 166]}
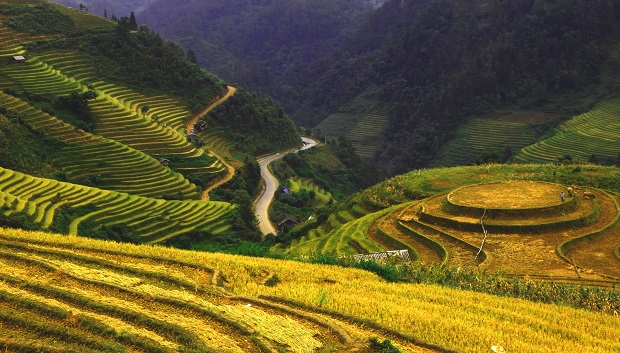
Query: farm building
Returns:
{"type": "Point", "coordinates": [284, 222]}
{"type": "Point", "coordinates": [17, 59]}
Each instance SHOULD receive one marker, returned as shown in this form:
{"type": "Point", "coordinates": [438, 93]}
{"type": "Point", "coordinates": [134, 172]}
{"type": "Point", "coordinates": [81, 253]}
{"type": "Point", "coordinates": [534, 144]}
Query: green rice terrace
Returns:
{"type": "Point", "coordinates": [154, 220]}
{"type": "Point", "coordinates": [592, 135]}
{"type": "Point", "coordinates": [495, 218]}
{"type": "Point", "coordinates": [364, 131]}
{"type": "Point", "coordinates": [497, 136]}
{"type": "Point", "coordinates": [130, 165]}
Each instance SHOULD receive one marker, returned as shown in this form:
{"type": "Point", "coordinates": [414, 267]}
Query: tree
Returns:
{"type": "Point", "coordinates": [133, 25]}
{"type": "Point", "coordinates": [123, 27]}
{"type": "Point", "coordinates": [105, 13]}
{"type": "Point", "coordinates": [191, 56]}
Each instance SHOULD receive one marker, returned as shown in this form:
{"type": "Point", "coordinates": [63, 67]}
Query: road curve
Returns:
{"type": "Point", "coordinates": [262, 202]}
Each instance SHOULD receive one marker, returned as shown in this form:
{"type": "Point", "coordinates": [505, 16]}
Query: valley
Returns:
{"type": "Point", "coordinates": [150, 205]}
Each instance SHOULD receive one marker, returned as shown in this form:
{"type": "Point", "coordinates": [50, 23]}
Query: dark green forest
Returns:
{"type": "Point", "coordinates": [261, 45]}
{"type": "Point", "coordinates": [430, 63]}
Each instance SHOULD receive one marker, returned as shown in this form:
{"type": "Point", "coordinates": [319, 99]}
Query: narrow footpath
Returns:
{"type": "Point", "coordinates": [262, 202]}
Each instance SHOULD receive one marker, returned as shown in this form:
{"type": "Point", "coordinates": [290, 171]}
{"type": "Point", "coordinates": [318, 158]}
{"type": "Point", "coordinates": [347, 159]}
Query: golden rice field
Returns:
{"type": "Point", "coordinates": [71, 294]}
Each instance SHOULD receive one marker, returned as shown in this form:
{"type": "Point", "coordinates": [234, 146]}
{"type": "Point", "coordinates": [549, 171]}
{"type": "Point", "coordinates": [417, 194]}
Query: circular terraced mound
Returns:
{"type": "Point", "coordinates": [511, 195]}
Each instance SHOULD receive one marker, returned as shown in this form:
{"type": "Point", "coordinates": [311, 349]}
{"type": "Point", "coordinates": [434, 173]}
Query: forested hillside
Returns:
{"type": "Point", "coordinates": [99, 131]}
{"type": "Point", "coordinates": [260, 45]}
{"type": "Point", "coordinates": [436, 62]}
{"type": "Point", "coordinates": [426, 64]}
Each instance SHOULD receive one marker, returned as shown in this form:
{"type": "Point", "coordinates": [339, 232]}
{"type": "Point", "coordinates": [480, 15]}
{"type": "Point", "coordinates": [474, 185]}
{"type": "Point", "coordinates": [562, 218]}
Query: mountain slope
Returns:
{"type": "Point", "coordinates": [109, 106]}
{"type": "Point", "coordinates": [270, 41]}
{"type": "Point", "coordinates": [425, 64]}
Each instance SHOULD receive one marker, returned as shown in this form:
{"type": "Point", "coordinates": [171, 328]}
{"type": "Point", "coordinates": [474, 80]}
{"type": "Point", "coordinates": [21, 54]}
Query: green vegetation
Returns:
{"type": "Point", "coordinates": [364, 131]}
{"type": "Point", "coordinates": [85, 210]}
{"type": "Point", "coordinates": [367, 133]}
{"type": "Point", "coordinates": [592, 136]}
{"type": "Point", "coordinates": [384, 347]}
{"type": "Point", "coordinates": [495, 138]}
{"type": "Point", "coordinates": [255, 126]}
{"type": "Point", "coordinates": [136, 92]}
{"type": "Point", "coordinates": [95, 161]}
{"type": "Point", "coordinates": [43, 18]}
{"type": "Point", "coordinates": [430, 69]}
{"type": "Point", "coordinates": [24, 149]}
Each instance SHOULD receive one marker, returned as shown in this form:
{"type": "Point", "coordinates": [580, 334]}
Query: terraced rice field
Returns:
{"type": "Point", "coordinates": [595, 133]}
{"type": "Point", "coordinates": [118, 111]}
{"type": "Point", "coordinates": [75, 294]}
{"type": "Point", "coordinates": [493, 134]}
{"type": "Point", "coordinates": [40, 78]}
{"type": "Point", "coordinates": [321, 197]}
{"type": "Point", "coordinates": [44, 122]}
{"type": "Point", "coordinates": [72, 64]}
{"type": "Point", "coordinates": [215, 139]}
{"type": "Point", "coordinates": [154, 220]}
{"type": "Point", "coordinates": [574, 240]}
{"type": "Point", "coordinates": [9, 44]}
{"type": "Point", "coordinates": [366, 137]}
{"type": "Point", "coordinates": [116, 166]}
{"type": "Point", "coordinates": [346, 239]}
{"type": "Point", "coordinates": [151, 124]}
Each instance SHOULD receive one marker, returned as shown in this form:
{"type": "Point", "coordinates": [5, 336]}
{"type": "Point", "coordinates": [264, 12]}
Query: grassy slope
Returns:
{"type": "Point", "coordinates": [425, 183]}
{"type": "Point", "coordinates": [459, 320]}
{"type": "Point", "coordinates": [23, 149]}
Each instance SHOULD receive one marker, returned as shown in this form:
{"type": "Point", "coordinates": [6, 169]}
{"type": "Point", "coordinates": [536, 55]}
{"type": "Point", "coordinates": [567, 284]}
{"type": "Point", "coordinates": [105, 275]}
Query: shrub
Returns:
{"type": "Point", "coordinates": [384, 347]}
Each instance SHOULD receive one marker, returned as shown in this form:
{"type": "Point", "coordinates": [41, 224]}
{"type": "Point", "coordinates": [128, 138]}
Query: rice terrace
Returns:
{"type": "Point", "coordinates": [128, 175]}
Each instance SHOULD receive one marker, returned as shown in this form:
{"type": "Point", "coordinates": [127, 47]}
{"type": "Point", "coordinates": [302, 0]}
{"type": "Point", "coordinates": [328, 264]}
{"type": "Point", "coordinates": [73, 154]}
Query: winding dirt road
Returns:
{"type": "Point", "coordinates": [189, 126]}
{"type": "Point", "coordinates": [261, 205]}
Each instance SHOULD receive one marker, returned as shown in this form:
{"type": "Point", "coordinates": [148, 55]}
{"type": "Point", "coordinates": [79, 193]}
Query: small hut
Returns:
{"type": "Point", "coordinates": [285, 222]}
{"type": "Point", "coordinates": [18, 59]}
{"type": "Point", "coordinates": [163, 161]}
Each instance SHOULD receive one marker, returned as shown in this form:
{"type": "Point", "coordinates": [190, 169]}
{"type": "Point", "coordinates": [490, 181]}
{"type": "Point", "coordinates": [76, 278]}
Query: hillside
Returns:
{"type": "Point", "coordinates": [426, 68]}
{"type": "Point", "coordinates": [117, 151]}
{"type": "Point", "coordinates": [494, 217]}
{"type": "Point", "coordinates": [434, 63]}
{"type": "Point", "coordinates": [116, 8]}
{"type": "Point", "coordinates": [260, 45]}
{"type": "Point", "coordinates": [99, 109]}
{"type": "Point", "coordinates": [64, 293]}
